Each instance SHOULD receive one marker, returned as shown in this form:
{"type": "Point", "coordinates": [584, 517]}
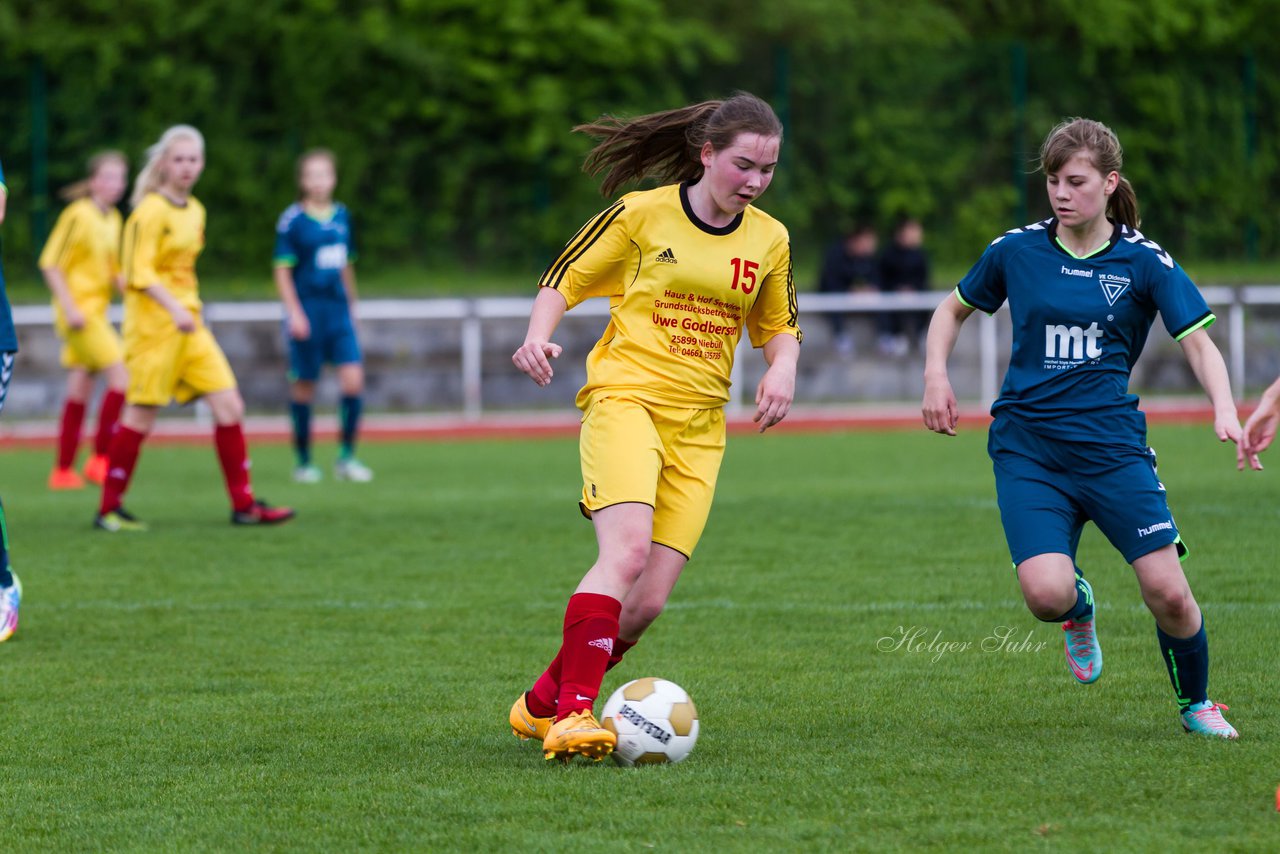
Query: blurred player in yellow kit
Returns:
{"type": "Point", "coordinates": [686, 267]}
{"type": "Point", "coordinates": [169, 352]}
{"type": "Point", "coordinates": [81, 265]}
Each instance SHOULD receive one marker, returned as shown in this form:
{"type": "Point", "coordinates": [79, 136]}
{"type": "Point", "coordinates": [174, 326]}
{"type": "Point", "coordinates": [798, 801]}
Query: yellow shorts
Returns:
{"type": "Point", "coordinates": [662, 456]}
{"type": "Point", "coordinates": [94, 346]}
{"type": "Point", "coordinates": [177, 367]}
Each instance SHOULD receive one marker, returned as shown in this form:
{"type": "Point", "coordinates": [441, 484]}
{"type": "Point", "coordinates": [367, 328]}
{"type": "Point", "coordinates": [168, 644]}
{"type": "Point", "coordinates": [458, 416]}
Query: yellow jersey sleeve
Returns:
{"type": "Point", "coordinates": [776, 311]}
{"type": "Point", "coordinates": [593, 262]}
{"type": "Point", "coordinates": [60, 249]}
{"type": "Point", "coordinates": [142, 235]}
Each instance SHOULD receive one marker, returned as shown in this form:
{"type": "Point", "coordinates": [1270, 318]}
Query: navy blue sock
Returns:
{"type": "Point", "coordinates": [351, 406]}
{"type": "Point", "coordinates": [301, 415]}
{"type": "Point", "coordinates": [1187, 660]}
{"type": "Point", "coordinates": [1082, 611]}
{"type": "Point", "coordinates": [6, 577]}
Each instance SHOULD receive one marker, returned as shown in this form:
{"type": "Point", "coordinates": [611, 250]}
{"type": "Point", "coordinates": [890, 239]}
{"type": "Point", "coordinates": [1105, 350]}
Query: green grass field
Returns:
{"type": "Point", "coordinates": [342, 683]}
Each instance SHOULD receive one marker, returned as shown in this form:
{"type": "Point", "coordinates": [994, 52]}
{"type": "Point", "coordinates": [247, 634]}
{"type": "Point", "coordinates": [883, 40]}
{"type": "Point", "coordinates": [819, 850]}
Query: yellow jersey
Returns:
{"type": "Point", "coordinates": [85, 246]}
{"type": "Point", "coordinates": [161, 243]}
{"type": "Point", "coordinates": [680, 293]}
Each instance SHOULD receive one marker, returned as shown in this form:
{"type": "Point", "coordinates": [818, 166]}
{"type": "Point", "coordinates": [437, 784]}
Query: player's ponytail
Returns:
{"type": "Point", "coordinates": [1123, 206]}
{"type": "Point", "coordinates": [151, 175]}
{"type": "Point", "coordinates": [80, 189]}
{"type": "Point", "coordinates": [1071, 136]}
{"type": "Point", "coordinates": [667, 146]}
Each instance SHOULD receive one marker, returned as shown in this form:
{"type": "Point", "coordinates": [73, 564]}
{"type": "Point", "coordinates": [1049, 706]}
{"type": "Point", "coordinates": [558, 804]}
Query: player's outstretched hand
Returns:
{"type": "Point", "coordinates": [534, 358]}
{"type": "Point", "coordinates": [1258, 433]}
{"type": "Point", "coordinates": [774, 395]}
{"type": "Point", "coordinates": [940, 410]}
{"type": "Point", "coordinates": [183, 319]}
{"type": "Point", "coordinates": [74, 317]}
{"type": "Point", "coordinates": [299, 326]}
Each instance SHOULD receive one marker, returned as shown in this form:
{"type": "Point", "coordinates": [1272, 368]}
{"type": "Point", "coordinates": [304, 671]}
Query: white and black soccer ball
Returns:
{"type": "Point", "coordinates": [654, 719]}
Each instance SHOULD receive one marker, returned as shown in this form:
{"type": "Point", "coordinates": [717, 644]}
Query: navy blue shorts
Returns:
{"type": "Point", "coordinates": [1048, 489]}
{"type": "Point", "coordinates": [333, 340]}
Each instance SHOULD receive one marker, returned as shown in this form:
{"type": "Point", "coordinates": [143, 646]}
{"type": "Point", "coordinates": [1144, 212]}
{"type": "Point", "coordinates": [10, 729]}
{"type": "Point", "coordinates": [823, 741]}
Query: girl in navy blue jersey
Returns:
{"type": "Point", "coordinates": [1068, 442]}
{"type": "Point", "coordinates": [315, 275]}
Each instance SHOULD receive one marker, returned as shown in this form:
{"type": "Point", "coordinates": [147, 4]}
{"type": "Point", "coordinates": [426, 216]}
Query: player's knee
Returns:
{"type": "Point", "coordinates": [1046, 603]}
{"type": "Point", "coordinates": [1172, 603]}
{"type": "Point", "coordinates": [640, 615]}
{"type": "Point", "coordinates": [628, 560]}
{"type": "Point", "coordinates": [228, 407]}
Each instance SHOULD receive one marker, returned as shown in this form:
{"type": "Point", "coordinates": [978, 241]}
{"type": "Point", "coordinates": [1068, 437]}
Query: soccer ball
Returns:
{"type": "Point", "coordinates": [655, 722]}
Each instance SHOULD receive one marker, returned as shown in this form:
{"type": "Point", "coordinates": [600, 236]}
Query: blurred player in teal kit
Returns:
{"type": "Point", "coordinates": [10, 586]}
{"type": "Point", "coordinates": [316, 280]}
{"type": "Point", "coordinates": [1068, 442]}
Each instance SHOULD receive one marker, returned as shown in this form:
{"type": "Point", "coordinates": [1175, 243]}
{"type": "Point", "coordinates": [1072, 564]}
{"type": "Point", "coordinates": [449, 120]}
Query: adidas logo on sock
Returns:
{"type": "Point", "coordinates": [666, 256]}
{"type": "Point", "coordinates": [603, 643]}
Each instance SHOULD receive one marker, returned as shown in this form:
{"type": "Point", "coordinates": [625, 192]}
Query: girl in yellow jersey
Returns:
{"type": "Point", "coordinates": [169, 352]}
{"type": "Point", "coordinates": [81, 265]}
{"type": "Point", "coordinates": [685, 266]}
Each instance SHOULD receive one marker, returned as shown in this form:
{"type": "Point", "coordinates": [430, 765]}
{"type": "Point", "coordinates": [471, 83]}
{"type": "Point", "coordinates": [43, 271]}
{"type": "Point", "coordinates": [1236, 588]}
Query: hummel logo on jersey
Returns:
{"type": "Point", "coordinates": [603, 643]}
{"type": "Point", "coordinates": [1071, 342]}
{"type": "Point", "coordinates": [1113, 286]}
{"type": "Point", "coordinates": [1076, 271]}
{"type": "Point", "coordinates": [666, 256]}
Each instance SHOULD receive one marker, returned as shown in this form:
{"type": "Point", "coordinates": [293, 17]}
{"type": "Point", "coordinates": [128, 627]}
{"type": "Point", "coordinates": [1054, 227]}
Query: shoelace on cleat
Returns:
{"type": "Point", "coordinates": [1079, 639]}
{"type": "Point", "coordinates": [1212, 717]}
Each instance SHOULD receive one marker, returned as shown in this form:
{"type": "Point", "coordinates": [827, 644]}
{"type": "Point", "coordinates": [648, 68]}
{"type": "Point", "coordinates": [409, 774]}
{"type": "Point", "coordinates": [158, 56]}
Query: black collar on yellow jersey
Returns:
{"type": "Point", "coordinates": [693, 217]}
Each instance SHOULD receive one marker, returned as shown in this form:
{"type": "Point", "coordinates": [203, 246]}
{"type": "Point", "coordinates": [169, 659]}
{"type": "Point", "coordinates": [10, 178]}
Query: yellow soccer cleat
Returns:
{"type": "Point", "coordinates": [578, 733]}
{"type": "Point", "coordinates": [526, 725]}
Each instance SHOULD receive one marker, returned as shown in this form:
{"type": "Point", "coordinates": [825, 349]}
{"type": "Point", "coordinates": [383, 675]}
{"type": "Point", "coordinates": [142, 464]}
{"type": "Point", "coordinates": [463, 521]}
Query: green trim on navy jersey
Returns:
{"type": "Point", "coordinates": [1203, 323]}
{"type": "Point", "coordinates": [1067, 249]}
{"type": "Point", "coordinates": [968, 304]}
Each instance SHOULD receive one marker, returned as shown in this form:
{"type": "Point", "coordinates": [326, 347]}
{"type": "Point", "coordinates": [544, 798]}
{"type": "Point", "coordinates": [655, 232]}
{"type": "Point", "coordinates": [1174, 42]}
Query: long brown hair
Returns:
{"type": "Point", "coordinates": [80, 189]}
{"type": "Point", "coordinates": [668, 145]}
{"type": "Point", "coordinates": [1071, 136]}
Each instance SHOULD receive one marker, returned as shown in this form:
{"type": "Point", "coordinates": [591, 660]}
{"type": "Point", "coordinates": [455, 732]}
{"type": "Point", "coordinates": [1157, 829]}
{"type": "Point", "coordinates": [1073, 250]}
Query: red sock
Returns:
{"type": "Point", "coordinates": [234, 457]}
{"type": "Point", "coordinates": [620, 648]}
{"type": "Point", "coordinates": [69, 433]}
{"type": "Point", "coordinates": [545, 692]}
{"type": "Point", "coordinates": [108, 415]}
{"type": "Point", "coordinates": [121, 459]}
{"type": "Point", "coordinates": [590, 626]}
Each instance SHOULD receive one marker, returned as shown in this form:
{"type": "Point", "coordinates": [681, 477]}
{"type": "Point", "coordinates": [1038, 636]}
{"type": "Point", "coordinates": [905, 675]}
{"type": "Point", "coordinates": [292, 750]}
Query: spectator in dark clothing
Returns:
{"type": "Point", "coordinates": [904, 268]}
{"type": "Point", "coordinates": [850, 266]}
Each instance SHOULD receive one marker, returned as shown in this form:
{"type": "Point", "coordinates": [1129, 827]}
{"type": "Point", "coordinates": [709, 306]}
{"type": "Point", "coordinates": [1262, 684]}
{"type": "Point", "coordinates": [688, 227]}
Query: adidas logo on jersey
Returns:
{"type": "Point", "coordinates": [666, 256]}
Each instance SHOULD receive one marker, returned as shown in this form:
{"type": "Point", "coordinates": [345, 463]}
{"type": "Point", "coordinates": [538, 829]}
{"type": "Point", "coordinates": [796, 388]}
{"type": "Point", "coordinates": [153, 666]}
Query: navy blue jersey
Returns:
{"type": "Point", "coordinates": [1079, 325]}
{"type": "Point", "coordinates": [8, 336]}
{"type": "Point", "coordinates": [317, 251]}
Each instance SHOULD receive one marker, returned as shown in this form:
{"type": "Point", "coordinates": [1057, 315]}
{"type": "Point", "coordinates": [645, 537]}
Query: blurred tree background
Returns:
{"type": "Point", "coordinates": [451, 118]}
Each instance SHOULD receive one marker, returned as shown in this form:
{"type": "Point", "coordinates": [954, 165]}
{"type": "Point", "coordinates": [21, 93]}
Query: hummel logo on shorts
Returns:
{"type": "Point", "coordinates": [666, 256]}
